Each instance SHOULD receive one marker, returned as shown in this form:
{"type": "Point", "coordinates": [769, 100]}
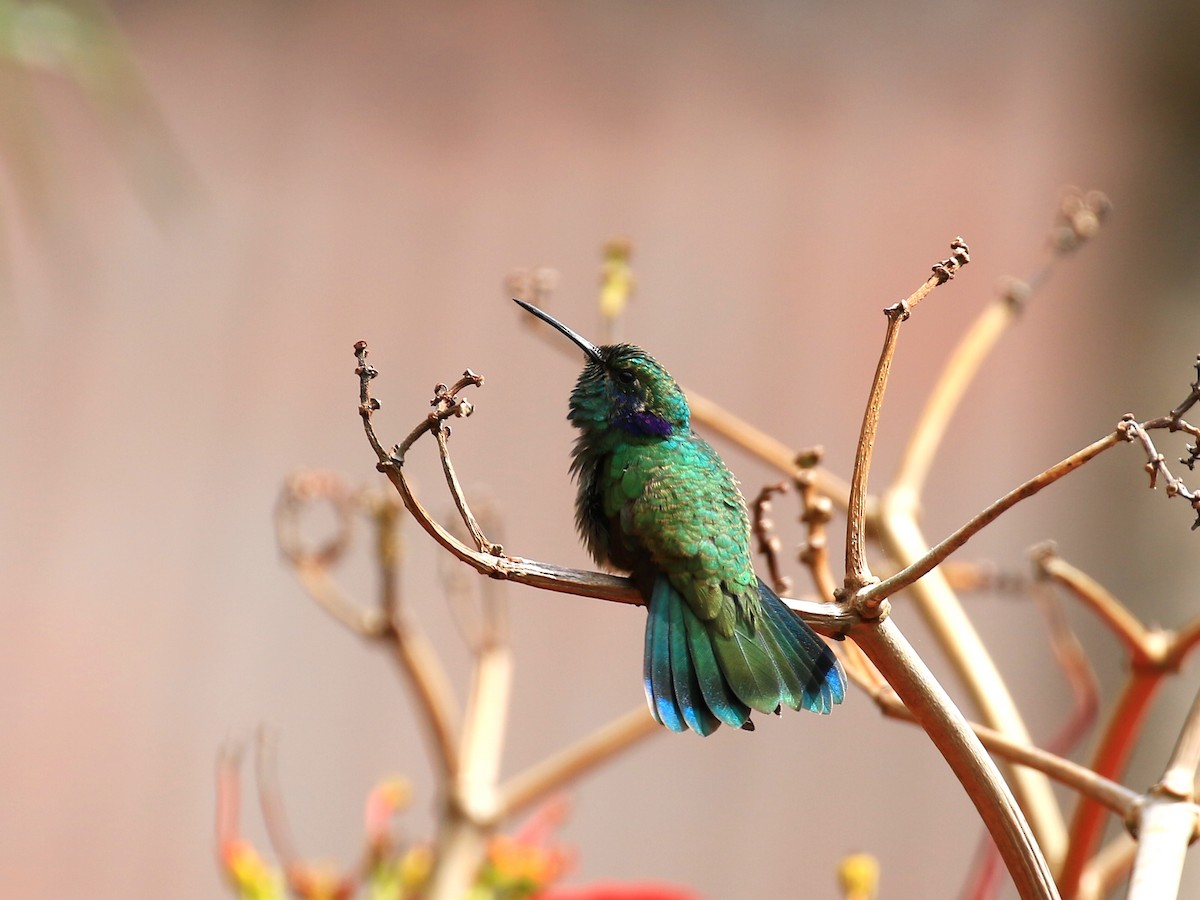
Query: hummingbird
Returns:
{"type": "Point", "coordinates": [657, 501]}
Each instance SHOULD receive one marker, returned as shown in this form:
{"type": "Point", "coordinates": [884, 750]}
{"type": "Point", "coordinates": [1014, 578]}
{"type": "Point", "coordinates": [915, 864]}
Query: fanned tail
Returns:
{"type": "Point", "coordinates": [698, 678]}
{"type": "Point", "coordinates": [808, 661]}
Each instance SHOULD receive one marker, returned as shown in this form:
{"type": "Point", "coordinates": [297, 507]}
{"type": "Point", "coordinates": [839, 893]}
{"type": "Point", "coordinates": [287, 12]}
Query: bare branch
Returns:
{"type": "Point", "coordinates": [1111, 611]}
{"type": "Point", "coordinates": [899, 581]}
{"type": "Point", "coordinates": [950, 733]}
{"type": "Point", "coordinates": [858, 574]}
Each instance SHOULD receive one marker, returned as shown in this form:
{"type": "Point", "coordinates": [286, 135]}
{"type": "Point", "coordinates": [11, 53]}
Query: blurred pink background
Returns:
{"type": "Point", "coordinates": [192, 243]}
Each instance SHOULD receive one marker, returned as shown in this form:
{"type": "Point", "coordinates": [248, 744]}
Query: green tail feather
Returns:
{"type": "Point", "coordinates": [823, 681]}
{"type": "Point", "coordinates": [720, 699]}
{"type": "Point", "coordinates": [750, 672]}
{"type": "Point", "coordinates": [688, 692]}
{"type": "Point", "coordinates": [697, 678]}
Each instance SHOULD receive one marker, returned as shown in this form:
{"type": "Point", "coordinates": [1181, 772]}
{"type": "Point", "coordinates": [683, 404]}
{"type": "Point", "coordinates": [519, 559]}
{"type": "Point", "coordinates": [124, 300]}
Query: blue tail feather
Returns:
{"type": "Point", "coordinates": [697, 678]}
{"type": "Point", "coordinates": [660, 687]}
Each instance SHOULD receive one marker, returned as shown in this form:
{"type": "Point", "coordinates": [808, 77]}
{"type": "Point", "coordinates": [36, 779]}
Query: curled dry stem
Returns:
{"type": "Point", "coordinates": [815, 513]}
{"type": "Point", "coordinates": [763, 529]}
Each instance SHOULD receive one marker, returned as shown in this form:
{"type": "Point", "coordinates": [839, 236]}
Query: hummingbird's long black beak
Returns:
{"type": "Point", "coordinates": [581, 342]}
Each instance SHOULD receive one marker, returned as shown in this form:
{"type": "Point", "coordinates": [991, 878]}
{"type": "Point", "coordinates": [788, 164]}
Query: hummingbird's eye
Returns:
{"type": "Point", "coordinates": [626, 377]}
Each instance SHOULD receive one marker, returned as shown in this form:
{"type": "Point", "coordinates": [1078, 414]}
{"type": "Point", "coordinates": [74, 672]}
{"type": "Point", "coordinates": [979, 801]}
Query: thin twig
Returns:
{"type": "Point", "coordinates": [1143, 650]}
{"type": "Point", "coordinates": [915, 570]}
{"type": "Point", "coordinates": [460, 502]}
{"type": "Point", "coordinates": [1156, 465]}
{"type": "Point", "coordinates": [858, 574]}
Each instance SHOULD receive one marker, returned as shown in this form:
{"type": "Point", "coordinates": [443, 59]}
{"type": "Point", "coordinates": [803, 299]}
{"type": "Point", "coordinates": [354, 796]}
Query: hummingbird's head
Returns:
{"type": "Point", "coordinates": [623, 387]}
{"type": "Point", "coordinates": [626, 388]}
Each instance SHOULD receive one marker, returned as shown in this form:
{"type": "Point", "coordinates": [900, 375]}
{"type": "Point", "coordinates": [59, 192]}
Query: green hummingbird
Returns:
{"type": "Point", "coordinates": [656, 500]}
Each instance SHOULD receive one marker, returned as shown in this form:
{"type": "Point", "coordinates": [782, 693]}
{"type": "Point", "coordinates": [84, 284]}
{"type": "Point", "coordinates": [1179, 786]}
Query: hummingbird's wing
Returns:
{"type": "Point", "coordinates": [677, 509]}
